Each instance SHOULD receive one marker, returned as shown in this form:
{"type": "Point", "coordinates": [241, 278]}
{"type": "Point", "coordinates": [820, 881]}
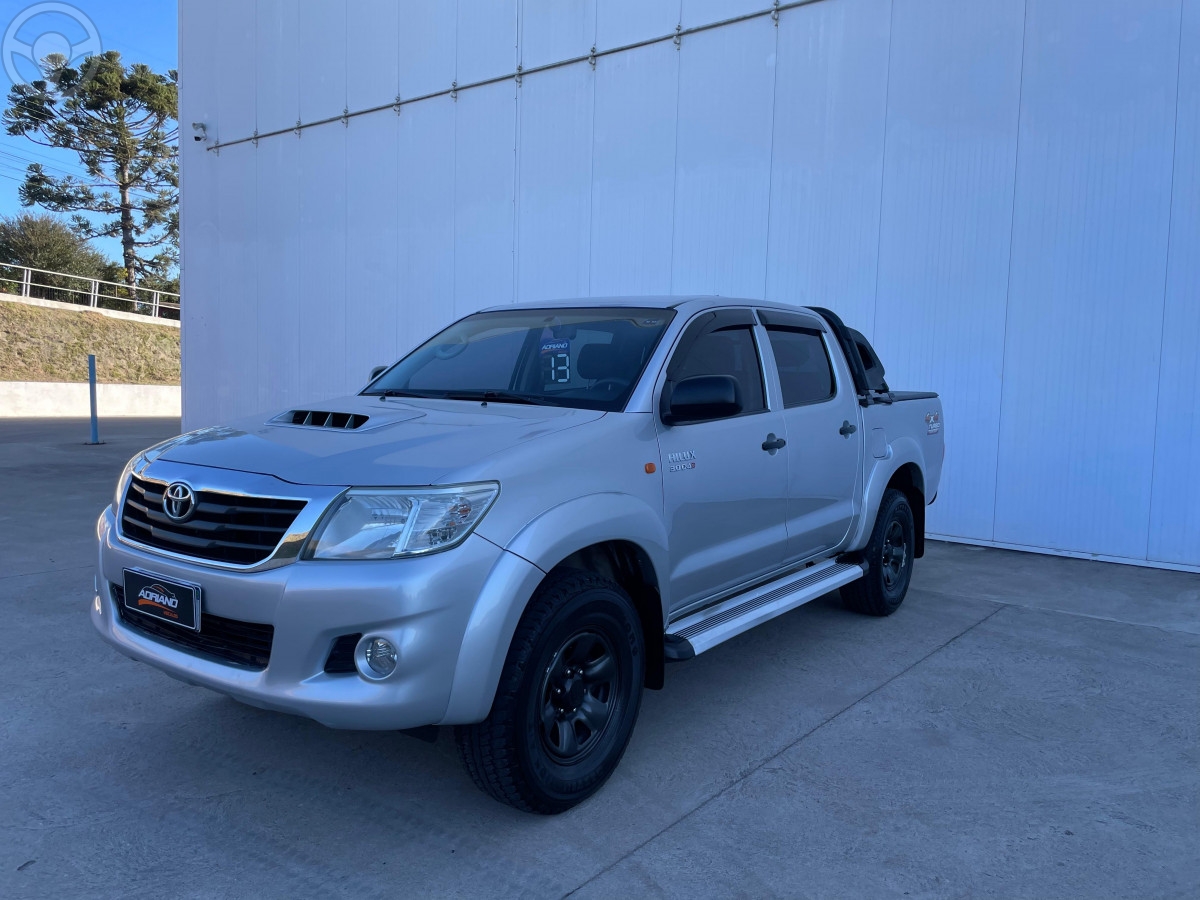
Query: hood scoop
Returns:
{"type": "Point", "coordinates": [315, 418]}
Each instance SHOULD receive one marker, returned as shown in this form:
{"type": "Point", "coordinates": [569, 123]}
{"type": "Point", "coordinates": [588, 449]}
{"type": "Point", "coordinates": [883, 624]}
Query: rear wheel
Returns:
{"type": "Point", "coordinates": [889, 558]}
{"type": "Point", "coordinates": [568, 698]}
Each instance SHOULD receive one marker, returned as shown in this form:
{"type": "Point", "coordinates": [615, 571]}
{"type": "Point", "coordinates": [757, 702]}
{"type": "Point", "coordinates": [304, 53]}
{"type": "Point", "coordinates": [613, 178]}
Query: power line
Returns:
{"type": "Point", "coordinates": [86, 128]}
{"type": "Point", "coordinates": [78, 171]}
{"type": "Point", "coordinates": [30, 152]}
{"type": "Point", "coordinates": [82, 178]}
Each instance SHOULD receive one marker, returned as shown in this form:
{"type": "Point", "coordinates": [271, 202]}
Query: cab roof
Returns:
{"type": "Point", "coordinates": [694, 302]}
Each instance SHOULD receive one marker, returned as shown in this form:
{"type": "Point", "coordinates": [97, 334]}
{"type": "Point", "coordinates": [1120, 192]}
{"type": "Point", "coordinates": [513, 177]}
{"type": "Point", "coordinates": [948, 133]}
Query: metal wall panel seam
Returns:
{"type": "Point", "coordinates": [254, 75]}
{"type": "Point", "coordinates": [183, 345]}
{"type": "Point", "coordinates": [771, 161]}
{"type": "Point", "coordinates": [1166, 278]}
{"type": "Point", "coordinates": [592, 159]}
{"type": "Point", "coordinates": [518, 111]}
{"type": "Point", "coordinates": [887, 93]}
{"type": "Point", "coordinates": [1175, 503]}
{"type": "Point", "coordinates": [521, 73]}
{"type": "Point", "coordinates": [675, 170]}
{"type": "Point", "coordinates": [345, 203]}
{"type": "Point", "coordinates": [453, 172]}
{"type": "Point", "coordinates": [1012, 219]}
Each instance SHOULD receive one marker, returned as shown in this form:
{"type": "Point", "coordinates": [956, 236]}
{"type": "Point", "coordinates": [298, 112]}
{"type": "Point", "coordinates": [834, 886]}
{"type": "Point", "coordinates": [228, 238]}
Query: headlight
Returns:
{"type": "Point", "coordinates": [382, 523]}
{"type": "Point", "coordinates": [119, 493]}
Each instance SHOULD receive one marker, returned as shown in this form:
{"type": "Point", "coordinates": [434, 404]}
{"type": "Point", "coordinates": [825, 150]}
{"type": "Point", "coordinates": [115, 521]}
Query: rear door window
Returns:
{"type": "Point", "coordinates": [805, 373]}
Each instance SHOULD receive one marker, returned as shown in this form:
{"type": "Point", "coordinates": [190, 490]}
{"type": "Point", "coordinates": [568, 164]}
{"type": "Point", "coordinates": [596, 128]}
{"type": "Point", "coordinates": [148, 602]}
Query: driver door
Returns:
{"type": "Point", "coordinates": [724, 493]}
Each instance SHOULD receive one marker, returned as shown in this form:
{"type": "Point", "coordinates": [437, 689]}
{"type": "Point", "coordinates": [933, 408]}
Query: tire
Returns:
{"type": "Point", "coordinates": [568, 697]}
{"type": "Point", "coordinates": [889, 556]}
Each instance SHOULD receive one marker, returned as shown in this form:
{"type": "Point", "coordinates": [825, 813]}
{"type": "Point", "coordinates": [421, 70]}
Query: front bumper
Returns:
{"type": "Point", "coordinates": [423, 605]}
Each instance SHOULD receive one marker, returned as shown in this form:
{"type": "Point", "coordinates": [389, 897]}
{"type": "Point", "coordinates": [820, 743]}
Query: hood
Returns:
{"type": "Point", "coordinates": [403, 441]}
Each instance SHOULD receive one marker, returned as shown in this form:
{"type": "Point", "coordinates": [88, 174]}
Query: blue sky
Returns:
{"type": "Point", "coordinates": [143, 31]}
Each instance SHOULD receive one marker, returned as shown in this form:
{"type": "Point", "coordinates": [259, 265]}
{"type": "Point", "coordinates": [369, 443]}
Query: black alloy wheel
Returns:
{"type": "Point", "coordinates": [894, 557]}
{"type": "Point", "coordinates": [578, 695]}
{"type": "Point", "coordinates": [568, 698]}
{"type": "Point", "coordinates": [889, 559]}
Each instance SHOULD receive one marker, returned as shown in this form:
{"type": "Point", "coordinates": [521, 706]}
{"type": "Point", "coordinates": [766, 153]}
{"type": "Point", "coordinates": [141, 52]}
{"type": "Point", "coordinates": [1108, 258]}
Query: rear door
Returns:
{"type": "Point", "coordinates": [724, 495]}
{"type": "Point", "coordinates": [824, 446]}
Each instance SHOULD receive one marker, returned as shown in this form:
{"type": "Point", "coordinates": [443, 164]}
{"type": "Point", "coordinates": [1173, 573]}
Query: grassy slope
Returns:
{"type": "Point", "coordinates": [39, 344]}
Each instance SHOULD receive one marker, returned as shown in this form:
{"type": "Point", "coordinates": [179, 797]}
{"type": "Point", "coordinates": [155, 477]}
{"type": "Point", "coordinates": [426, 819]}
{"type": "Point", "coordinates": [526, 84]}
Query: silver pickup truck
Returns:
{"type": "Point", "coordinates": [515, 527]}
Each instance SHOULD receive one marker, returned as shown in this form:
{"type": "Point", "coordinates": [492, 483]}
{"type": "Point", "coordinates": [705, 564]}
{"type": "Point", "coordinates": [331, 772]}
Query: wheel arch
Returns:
{"type": "Point", "coordinates": [902, 469]}
{"type": "Point", "coordinates": [630, 566]}
{"type": "Point", "coordinates": [910, 481]}
{"type": "Point", "coordinates": [621, 536]}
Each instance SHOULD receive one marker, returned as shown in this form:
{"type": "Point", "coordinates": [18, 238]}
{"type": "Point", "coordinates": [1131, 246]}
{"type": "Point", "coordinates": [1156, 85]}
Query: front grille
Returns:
{"type": "Point", "coordinates": [228, 528]}
{"type": "Point", "coordinates": [246, 644]}
{"type": "Point", "coordinates": [341, 657]}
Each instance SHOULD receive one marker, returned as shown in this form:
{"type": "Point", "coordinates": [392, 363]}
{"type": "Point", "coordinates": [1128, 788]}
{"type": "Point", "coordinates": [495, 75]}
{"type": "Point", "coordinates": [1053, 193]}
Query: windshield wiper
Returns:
{"type": "Point", "coordinates": [393, 392]}
{"type": "Point", "coordinates": [499, 396]}
{"type": "Point", "coordinates": [483, 396]}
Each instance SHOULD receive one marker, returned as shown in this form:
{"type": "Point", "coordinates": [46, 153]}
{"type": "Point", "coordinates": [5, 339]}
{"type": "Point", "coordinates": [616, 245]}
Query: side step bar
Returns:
{"type": "Point", "coordinates": [718, 623]}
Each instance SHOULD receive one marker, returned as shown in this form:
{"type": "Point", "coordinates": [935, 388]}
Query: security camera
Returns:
{"type": "Point", "coordinates": [201, 131]}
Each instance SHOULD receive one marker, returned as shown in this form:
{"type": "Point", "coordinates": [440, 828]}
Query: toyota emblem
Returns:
{"type": "Point", "coordinates": [179, 501]}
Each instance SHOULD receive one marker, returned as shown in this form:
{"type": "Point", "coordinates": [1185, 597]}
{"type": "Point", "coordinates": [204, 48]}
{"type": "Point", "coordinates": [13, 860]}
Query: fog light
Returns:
{"type": "Point", "coordinates": [380, 656]}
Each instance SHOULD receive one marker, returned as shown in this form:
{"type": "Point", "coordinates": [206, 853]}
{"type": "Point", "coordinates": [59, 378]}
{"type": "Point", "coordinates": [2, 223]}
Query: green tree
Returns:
{"type": "Point", "coordinates": [121, 120]}
{"type": "Point", "coordinates": [46, 242]}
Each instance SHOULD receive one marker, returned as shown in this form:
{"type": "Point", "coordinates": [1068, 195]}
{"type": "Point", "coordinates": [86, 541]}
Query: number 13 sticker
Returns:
{"type": "Point", "coordinates": [560, 368]}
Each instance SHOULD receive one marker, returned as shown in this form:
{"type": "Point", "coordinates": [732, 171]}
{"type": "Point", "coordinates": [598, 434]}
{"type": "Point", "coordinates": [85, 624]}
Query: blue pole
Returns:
{"type": "Point", "coordinates": [92, 390]}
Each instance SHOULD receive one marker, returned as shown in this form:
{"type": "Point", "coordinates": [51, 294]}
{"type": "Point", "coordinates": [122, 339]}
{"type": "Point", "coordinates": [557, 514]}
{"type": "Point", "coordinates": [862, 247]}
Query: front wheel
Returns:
{"type": "Point", "coordinates": [889, 558]}
{"type": "Point", "coordinates": [568, 697]}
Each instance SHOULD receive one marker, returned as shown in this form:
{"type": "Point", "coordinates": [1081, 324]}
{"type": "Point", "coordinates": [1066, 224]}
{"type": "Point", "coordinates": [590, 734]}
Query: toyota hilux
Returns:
{"type": "Point", "coordinates": [515, 527]}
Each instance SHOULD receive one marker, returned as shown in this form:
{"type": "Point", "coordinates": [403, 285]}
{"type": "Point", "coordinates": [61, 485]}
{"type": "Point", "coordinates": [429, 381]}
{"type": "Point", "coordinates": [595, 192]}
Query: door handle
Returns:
{"type": "Point", "coordinates": [847, 429]}
{"type": "Point", "coordinates": [772, 443]}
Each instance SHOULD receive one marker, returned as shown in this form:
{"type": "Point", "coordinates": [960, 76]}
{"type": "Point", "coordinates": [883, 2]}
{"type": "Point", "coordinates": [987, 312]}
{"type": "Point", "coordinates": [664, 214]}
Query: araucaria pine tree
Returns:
{"type": "Point", "coordinates": [121, 121]}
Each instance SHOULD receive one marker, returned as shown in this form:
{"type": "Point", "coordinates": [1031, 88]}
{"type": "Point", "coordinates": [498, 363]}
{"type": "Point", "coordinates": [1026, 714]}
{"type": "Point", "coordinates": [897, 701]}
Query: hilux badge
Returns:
{"type": "Point", "coordinates": [684, 459]}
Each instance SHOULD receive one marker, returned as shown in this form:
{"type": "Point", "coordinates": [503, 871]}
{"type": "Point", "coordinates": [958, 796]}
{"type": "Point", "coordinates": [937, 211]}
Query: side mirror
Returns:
{"type": "Point", "coordinates": [376, 372]}
{"type": "Point", "coordinates": [702, 398]}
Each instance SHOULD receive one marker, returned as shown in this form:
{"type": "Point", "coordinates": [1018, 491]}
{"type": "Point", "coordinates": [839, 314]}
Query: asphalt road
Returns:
{"type": "Point", "coordinates": [1025, 726]}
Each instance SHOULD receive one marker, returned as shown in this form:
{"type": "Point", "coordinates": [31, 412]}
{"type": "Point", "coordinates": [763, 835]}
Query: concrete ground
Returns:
{"type": "Point", "coordinates": [1024, 726]}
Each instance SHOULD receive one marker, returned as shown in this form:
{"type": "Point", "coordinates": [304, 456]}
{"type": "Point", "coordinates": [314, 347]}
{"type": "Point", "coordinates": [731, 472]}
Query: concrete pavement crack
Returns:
{"type": "Point", "coordinates": [47, 572]}
{"type": "Point", "coordinates": [1062, 612]}
{"type": "Point", "coordinates": [774, 756]}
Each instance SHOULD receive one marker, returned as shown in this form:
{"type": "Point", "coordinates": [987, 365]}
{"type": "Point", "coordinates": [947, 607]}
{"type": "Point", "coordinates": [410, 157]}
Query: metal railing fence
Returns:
{"type": "Point", "coordinates": [83, 291]}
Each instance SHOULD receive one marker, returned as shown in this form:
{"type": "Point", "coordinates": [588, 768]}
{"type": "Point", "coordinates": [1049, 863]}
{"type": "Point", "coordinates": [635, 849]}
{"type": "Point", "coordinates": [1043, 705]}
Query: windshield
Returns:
{"type": "Point", "coordinates": [585, 358]}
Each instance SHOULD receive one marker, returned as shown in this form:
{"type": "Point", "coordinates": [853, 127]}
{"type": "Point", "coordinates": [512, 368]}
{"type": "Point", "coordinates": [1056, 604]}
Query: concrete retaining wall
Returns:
{"type": "Point", "coordinates": [48, 399]}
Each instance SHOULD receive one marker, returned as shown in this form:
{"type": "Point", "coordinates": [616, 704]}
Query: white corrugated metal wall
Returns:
{"type": "Point", "coordinates": [1004, 195]}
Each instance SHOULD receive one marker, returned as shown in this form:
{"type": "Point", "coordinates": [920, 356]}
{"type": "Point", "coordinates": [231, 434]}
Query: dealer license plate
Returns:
{"type": "Point", "coordinates": [163, 598]}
